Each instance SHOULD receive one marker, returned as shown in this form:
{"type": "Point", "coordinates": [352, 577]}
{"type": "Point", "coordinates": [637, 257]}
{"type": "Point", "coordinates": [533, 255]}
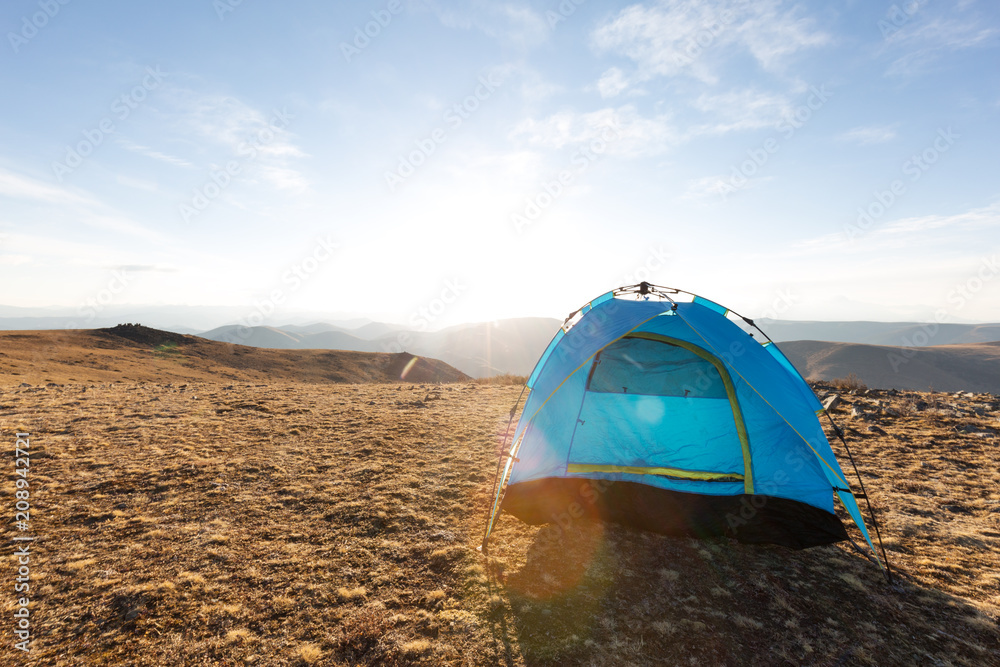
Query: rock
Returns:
{"type": "Point", "coordinates": [830, 402]}
{"type": "Point", "coordinates": [24, 384]}
{"type": "Point", "coordinates": [876, 430]}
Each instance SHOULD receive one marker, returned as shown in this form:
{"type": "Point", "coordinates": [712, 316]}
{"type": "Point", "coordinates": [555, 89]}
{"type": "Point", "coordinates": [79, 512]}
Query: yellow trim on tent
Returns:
{"type": "Point", "coordinates": [839, 477]}
{"type": "Point", "coordinates": [559, 386]}
{"type": "Point", "coordinates": [741, 428]}
{"type": "Point", "coordinates": [645, 470]}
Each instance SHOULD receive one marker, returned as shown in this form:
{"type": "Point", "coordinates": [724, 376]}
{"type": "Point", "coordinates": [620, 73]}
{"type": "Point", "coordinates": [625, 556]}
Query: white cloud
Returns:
{"type": "Point", "coordinates": [926, 40]}
{"type": "Point", "coordinates": [156, 155]}
{"type": "Point", "coordinates": [224, 128]}
{"type": "Point", "coordinates": [83, 207]}
{"type": "Point", "coordinates": [977, 218]}
{"type": "Point", "coordinates": [746, 109]}
{"type": "Point", "coordinates": [674, 37]}
{"type": "Point", "coordinates": [611, 83]}
{"type": "Point", "coordinates": [771, 34]}
{"type": "Point", "coordinates": [58, 252]}
{"type": "Point", "coordinates": [870, 134]}
{"type": "Point", "coordinates": [507, 22]}
{"type": "Point", "coordinates": [717, 188]}
{"type": "Point", "coordinates": [624, 129]}
{"type": "Point", "coordinates": [137, 183]}
{"type": "Point", "coordinates": [929, 231]}
{"type": "Point", "coordinates": [20, 187]}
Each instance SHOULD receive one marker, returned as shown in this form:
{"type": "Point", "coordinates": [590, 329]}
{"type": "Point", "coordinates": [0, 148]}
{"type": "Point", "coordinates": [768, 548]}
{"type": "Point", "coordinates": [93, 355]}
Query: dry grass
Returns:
{"type": "Point", "coordinates": [503, 379]}
{"type": "Point", "coordinates": [850, 383]}
{"type": "Point", "coordinates": [337, 524]}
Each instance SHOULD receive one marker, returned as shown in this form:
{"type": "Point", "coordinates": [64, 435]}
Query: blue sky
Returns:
{"type": "Point", "coordinates": [809, 160]}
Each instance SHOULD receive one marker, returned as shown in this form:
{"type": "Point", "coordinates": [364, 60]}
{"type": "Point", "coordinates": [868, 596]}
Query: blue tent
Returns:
{"type": "Point", "coordinates": [659, 411]}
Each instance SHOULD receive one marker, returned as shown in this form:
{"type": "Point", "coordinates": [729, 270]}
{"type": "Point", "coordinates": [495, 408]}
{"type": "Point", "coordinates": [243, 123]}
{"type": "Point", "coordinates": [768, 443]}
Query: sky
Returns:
{"type": "Point", "coordinates": [448, 162]}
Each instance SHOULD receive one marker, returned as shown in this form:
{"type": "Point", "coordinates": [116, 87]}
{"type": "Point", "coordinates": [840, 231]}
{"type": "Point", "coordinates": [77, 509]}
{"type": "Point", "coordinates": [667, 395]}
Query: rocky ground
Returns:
{"type": "Point", "coordinates": [303, 523]}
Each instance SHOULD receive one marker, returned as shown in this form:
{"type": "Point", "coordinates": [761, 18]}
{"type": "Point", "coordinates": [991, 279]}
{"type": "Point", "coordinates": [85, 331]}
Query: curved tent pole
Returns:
{"type": "Point", "coordinates": [871, 512]}
{"type": "Point", "coordinates": [850, 456]}
{"type": "Point", "coordinates": [645, 288]}
{"type": "Point", "coordinates": [494, 509]}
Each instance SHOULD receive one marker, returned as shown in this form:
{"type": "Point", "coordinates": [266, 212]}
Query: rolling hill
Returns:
{"type": "Point", "coordinates": [973, 367]}
{"type": "Point", "coordinates": [482, 349]}
{"type": "Point", "coordinates": [140, 354]}
{"type": "Point", "coordinates": [910, 334]}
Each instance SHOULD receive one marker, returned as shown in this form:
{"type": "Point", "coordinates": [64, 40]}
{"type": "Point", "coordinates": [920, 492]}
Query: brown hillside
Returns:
{"type": "Point", "coordinates": [972, 367]}
{"type": "Point", "coordinates": [139, 354]}
{"type": "Point", "coordinates": [307, 524]}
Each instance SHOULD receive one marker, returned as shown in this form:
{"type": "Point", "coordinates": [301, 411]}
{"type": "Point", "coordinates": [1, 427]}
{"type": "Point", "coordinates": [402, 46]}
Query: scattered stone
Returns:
{"type": "Point", "coordinates": [875, 429]}
{"type": "Point", "coordinates": [830, 402]}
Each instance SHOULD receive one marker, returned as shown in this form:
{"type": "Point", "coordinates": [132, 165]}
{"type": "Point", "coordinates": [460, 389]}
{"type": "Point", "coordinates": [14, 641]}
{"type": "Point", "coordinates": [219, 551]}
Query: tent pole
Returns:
{"type": "Point", "coordinates": [861, 483]}
{"type": "Point", "coordinates": [496, 477]}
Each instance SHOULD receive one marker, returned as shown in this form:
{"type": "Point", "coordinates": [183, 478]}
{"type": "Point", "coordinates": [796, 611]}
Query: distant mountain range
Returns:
{"type": "Point", "coordinates": [906, 334]}
{"type": "Point", "coordinates": [513, 345]}
{"type": "Point", "coordinates": [483, 349]}
{"type": "Point", "coordinates": [951, 368]}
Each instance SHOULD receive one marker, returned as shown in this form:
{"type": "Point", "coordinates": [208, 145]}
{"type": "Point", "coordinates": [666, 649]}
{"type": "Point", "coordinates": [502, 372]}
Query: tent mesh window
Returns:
{"type": "Point", "coordinates": [654, 368]}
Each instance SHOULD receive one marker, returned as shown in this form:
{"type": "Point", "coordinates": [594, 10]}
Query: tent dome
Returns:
{"type": "Point", "coordinates": [663, 413]}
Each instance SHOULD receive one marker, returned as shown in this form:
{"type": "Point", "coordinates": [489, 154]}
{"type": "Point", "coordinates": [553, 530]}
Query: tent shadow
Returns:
{"type": "Point", "coordinates": [604, 594]}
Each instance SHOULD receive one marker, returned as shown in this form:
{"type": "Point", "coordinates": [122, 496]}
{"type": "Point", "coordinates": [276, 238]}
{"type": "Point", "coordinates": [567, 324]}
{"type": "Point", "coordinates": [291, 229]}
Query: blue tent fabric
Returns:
{"type": "Point", "coordinates": [667, 415]}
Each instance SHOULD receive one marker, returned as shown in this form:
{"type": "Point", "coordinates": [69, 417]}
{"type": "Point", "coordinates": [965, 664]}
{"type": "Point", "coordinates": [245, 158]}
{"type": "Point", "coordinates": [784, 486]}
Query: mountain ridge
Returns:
{"type": "Point", "coordinates": [142, 354]}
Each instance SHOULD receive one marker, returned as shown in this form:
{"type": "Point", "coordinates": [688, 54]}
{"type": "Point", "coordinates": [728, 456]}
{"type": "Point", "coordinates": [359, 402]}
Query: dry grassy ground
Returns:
{"type": "Point", "coordinates": [287, 524]}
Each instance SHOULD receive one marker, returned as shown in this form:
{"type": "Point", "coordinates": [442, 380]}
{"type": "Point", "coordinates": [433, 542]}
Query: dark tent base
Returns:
{"type": "Point", "coordinates": [747, 518]}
